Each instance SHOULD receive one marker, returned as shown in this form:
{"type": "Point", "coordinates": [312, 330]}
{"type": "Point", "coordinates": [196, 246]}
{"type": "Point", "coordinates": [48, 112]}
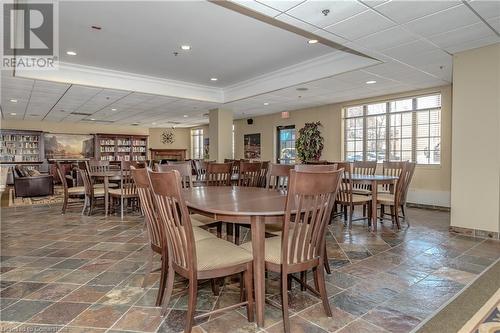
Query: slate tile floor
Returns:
{"type": "Point", "coordinates": [79, 274]}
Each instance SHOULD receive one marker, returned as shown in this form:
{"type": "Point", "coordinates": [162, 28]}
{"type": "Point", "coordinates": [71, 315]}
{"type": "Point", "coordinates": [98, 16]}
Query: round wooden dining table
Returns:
{"type": "Point", "coordinates": [246, 205]}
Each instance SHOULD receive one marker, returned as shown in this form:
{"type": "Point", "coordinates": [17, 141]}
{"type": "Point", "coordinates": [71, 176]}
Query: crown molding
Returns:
{"type": "Point", "coordinates": [111, 79]}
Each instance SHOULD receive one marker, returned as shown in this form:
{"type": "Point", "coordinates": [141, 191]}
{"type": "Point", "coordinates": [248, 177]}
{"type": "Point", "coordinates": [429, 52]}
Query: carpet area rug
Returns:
{"type": "Point", "coordinates": [56, 199]}
{"type": "Point", "coordinates": [475, 310]}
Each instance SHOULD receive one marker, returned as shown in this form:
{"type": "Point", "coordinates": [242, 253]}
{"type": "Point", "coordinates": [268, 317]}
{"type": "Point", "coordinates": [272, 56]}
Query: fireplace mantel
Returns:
{"type": "Point", "coordinates": [168, 154]}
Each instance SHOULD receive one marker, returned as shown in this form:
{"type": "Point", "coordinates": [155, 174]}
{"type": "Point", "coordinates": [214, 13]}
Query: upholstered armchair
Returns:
{"type": "Point", "coordinates": [35, 185]}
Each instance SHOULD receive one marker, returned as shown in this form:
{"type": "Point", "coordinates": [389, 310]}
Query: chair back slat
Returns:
{"type": "Point", "coordinates": [249, 175]}
{"type": "Point", "coordinates": [344, 194]}
{"type": "Point", "coordinates": [154, 226]}
{"type": "Point", "coordinates": [218, 174]}
{"type": "Point", "coordinates": [98, 166]}
{"type": "Point", "coordinates": [127, 184]}
{"type": "Point", "coordinates": [363, 168]}
{"type": "Point", "coordinates": [173, 211]}
{"type": "Point", "coordinates": [400, 184]}
{"type": "Point", "coordinates": [61, 173]}
{"type": "Point", "coordinates": [410, 170]}
{"type": "Point", "coordinates": [277, 176]}
{"type": "Point", "coordinates": [393, 169]}
{"type": "Point", "coordinates": [88, 183]}
{"type": "Point", "coordinates": [184, 170]}
{"type": "Point", "coordinates": [263, 173]}
{"type": "Point", "coordinates": [309, 204]}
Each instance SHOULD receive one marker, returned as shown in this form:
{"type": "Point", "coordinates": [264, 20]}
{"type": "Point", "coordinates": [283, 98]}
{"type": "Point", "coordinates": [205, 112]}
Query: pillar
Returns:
{"type": "Point", "coordinates": [221, 134]}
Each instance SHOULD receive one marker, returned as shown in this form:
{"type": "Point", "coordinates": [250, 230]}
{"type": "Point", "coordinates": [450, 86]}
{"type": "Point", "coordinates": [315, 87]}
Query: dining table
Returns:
{"type": "Point", "coordinates": [106, 175]}
{"type": "Point", "coordinates": [252, 206]}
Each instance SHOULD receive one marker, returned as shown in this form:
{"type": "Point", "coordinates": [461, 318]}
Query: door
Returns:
{"type": "Point", "coordinates": [286, 144]}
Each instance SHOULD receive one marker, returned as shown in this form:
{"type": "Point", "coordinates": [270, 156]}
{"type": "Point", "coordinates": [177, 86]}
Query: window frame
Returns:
{"type": "Point", "coordinates": [197, 144]}
{"type": "Point", "coordinates": [278, 141]}
{"type": "Point", "coordinates": [388, 126]}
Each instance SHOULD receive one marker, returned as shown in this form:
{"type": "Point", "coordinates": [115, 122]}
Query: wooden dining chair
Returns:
{"type": "Point", "coordinates": [156, 230]}
{"type": "Point", "coordinates": [185, 173]}
{"type": "Point", "coordinates": [393, 169]}
{"type": "Point", "coordinates": [394, 198]}
{"type": "Point", "coordinates": [126, 192]}
{"type": "Point", "coordinates": [277, 176]}
{"type": "Point", "coordinates": [218, 174]}
{"type": "Point", "coordinates": [92, 192]}
{"type": "Point", "coordinates": [249, 174]}
{"type": "Point", "coordinates": [363, 168]}
{"type": "Point", "coordinates": [409, 176]}
{"type": "Point", "coordinates": [315, 167]}
{"type": "Point", "coordinates": [301, 245]}
{"type": "Point", "coordinates": [69, 192]}
{"type": "Point", "coordinates": [346, 196]}
{"type": "Point", "coordinates": [205, 259]}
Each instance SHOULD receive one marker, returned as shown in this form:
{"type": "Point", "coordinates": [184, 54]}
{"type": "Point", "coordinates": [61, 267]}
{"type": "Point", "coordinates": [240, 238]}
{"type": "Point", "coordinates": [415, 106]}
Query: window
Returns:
{"type": "Point", "coordinates": [286, 144]}
{"type": "Point", "coordinates": [197, 144]}
{"type": "Point", "coordinates": [398, 130]}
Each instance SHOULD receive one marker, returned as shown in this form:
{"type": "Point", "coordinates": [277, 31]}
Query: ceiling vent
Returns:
{"type": "Point", "coordinates": [81, 113]}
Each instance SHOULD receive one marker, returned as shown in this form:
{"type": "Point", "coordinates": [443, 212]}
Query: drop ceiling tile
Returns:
{"type": "Point", "coordinates": [495, 23]}
{"type": "Point", "coordinates": [282, 6]}
{"type": "Point", "coordinates": [446, 20]}
{"type": "Point", "coordinates": [296, 22]}
{"type": "Point", "coordinates": [258, 7]}
{"type": "Point", "coordinates": [462, 35]}
{"type": "Point", "coordinates": [472, 44]}
{"type": "Point", "coordinates": [330, 36]}
{"type": "Point", "coordinates": [487, 9]}
{"type": "Point", "coordinates": [387, 38]}
{"type": "Point", "coordinates": [373, 3]}
{"type": "Point", "coordinates": [405, 11]}
{"type": "Point", "coordinates": [50, 87]}
{"type": "Point", "coordinates": [360, 25]}
{"type": "Point", "coordinates": [312, 11]}
{"type": "Point", "coordinates": [410, 50]}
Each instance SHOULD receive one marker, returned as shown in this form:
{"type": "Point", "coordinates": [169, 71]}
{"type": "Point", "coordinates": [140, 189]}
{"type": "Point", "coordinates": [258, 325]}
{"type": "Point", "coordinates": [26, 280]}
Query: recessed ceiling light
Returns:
{"type": "Point", "coordinates": [113, 109]}
{"type": "Point", "coordinates": [13, 113]}
{"type": "Point", "coordinates": [266, 103]}
{"type": "Point", "coordinates": [213, 79]}
{"type": "Point", "coordinates": [185, 116]}
{"type": "Point", "coordinates": [92, 119]}
{"type": "Point", "coordinates": [302, 89]}
{"type": "Point", "coordinates": [186, 47]}
{"type": "Point", "coordinates": [312, 41]}
{"type": "Point", "coordinates": [153, 123]}
{"type": "Point", "coordinates": [71, 53]}
{"type": "Point", "coordinates": [13, 100]}
{"type": "Point", "coordinates": [371, 82]}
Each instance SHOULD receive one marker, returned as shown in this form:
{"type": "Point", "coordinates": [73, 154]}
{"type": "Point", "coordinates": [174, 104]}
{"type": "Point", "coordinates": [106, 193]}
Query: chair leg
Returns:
{"type": "Point", "coordinates": [284, 303]}
{"type": "Point", "coordinates": [320, 276]}
{"type": "Point", "coordinates": [403, 211]}
{"type": "Point", "coordinates": [219, 230]}
{"type": "Point", "coordinates": [169, 288]}
{"type": "Point", "coordinates": [392, 216]}
{"type": "Point", "coordinates": [229, 232]}
{"type": "Point", "coordinates": [248, 277]}
{"type": "Point", "coordinates": [192, 294]}
{"type": "Point", "coordinates": [163, 281]}
{"type": "Point", "coordinates": [65, 205]}
{"type": "Point", "coordinates": [351, 212]}
{"type": "Point", "coordinates": [236, 234]}
{"type": "Point", "coordinates": [84, 205]}
{"type": "Point", "coordinates": [121, 207]}
{"type": "Point", "coordinates": [92, 203]}
{"type": "Point", "coordinates": [327, 262]}
{"type": "Point", "coordinates": [344, 208]}
{"type": "Point", "coordinates": [303, 280]}
{"type": "Point", "coordinates": [396, 216]}
{"type": "Point", "coordinates": [364, 210]}
{"type": "Point", "coordinates": [215, 286]}
{"type": "Point", "coordinates": [382, 212]}
{"type": "Point", "coordinates": [149, 267]}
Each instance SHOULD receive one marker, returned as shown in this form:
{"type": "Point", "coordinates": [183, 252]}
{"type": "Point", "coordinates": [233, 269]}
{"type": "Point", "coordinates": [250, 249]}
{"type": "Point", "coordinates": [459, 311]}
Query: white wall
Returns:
{"type": "Point", "coordinates": [475, 173]}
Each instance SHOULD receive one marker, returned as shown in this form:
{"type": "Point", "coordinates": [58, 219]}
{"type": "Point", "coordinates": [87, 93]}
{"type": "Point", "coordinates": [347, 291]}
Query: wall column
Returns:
{"type": "Point", "coordinates": [475, 171]}
{"type": "Point", "coordinates": [221, 134]}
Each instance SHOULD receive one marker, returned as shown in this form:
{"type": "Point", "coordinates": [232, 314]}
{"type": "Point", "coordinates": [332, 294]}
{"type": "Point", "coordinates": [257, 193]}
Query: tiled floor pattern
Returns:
{"type": "Point", "coordinates": [79, 274]}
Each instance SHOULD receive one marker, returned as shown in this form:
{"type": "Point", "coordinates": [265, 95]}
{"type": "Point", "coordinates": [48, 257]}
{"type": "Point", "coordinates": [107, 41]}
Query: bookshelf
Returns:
{"type": "Point", "coordinates": [22, 147]}
{"type": "Point", "coordinates": [114, 147]}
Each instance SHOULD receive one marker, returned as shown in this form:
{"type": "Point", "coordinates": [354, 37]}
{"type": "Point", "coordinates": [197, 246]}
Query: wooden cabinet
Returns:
{"type": "Point", "coordinates": [168, 154]}
{"type": "Point", "coordinates": [114, 147]}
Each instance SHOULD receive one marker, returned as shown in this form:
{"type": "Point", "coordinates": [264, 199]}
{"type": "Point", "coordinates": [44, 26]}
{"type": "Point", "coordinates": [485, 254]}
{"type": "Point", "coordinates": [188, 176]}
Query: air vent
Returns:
{"type": "Point", "coordinates": [81, 113]}
{"type": "Point", "coordinates": [98, 121]}
{"type": "Point", "coordinates": [173, 122]}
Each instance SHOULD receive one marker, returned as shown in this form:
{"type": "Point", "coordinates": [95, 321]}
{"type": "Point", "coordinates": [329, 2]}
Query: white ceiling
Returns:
{"type": "Point", "coordinates": [414, 40]}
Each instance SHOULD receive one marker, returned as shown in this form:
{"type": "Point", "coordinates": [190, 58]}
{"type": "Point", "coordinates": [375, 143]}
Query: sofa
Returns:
{"type": "Point", "coordinates": [31, 183]}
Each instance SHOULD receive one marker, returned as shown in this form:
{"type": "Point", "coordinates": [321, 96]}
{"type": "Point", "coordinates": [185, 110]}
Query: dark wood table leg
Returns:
{"type": "Point", "coordinates": [106, 183]}
{"type": "Point", "coordinates": [258, 237]}
{"type": "Point", "coordinates": [374, 205]}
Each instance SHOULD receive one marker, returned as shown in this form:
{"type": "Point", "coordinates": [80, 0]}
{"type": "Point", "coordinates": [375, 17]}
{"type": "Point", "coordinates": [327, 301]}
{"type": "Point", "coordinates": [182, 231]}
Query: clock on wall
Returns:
{"type": "Point", "coordinates": [167, 137]}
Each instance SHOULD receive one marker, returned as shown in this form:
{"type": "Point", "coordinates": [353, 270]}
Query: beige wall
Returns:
{"type": "Point", "coordinates": [475, 183]}
{"type": "Point", "coordinates": [182, 139]}
{"type": "Point", "coordinates": [430, 185]}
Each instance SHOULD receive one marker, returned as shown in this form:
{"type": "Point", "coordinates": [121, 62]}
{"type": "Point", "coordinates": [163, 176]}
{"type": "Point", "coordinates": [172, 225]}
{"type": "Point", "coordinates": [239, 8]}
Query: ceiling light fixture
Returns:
{"type": "Point", "coordinates": [266, 103]}
{"type": "Point", "coordinates": [113, 109]}
{"type": "Point", "coordinates": [13, 100]}
{"type": "Point", "coordinates": [186, 47]}
{"type": "Point", "coordinates": [312, 41]}
{"type": "Point", "coordinates": [213, 79]}
{"type": "Point", "coordinates": [371, 82]}
{"type": "Point", "coordinates": [71, 53]}
{"type": "Point", "coordinates": [153, 123]}
{"type": "Point", "coordinates": [92, 119]}
{"type": "Point", "coordinates": [13, 113]}
{"type": "Point", "coordinates": [185, 116]}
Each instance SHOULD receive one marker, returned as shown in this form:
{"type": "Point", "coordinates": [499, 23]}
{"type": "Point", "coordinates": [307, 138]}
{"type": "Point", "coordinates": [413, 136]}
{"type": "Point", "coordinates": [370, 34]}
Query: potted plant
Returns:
{"type": "Point", "coordinates": [309, 143]}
